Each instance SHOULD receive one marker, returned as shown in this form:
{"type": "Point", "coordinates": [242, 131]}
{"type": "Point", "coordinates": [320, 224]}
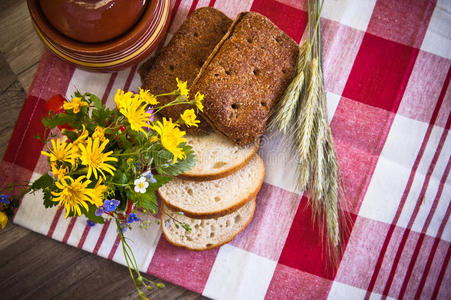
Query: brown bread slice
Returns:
{"type": "Point", "coordinates": [245, 76]}
{"type": "Point", "coordinates": [183, 57]}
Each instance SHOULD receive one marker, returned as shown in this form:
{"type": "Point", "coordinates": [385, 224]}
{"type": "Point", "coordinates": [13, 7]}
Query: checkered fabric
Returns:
{"type": "Point", "coordinates": [387, 72]}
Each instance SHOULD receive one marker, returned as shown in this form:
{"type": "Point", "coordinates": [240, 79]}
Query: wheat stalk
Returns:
{"type": "Point", "coordinates": [287, 105]}
{"type": "Point", "coordinates": [302, 117]}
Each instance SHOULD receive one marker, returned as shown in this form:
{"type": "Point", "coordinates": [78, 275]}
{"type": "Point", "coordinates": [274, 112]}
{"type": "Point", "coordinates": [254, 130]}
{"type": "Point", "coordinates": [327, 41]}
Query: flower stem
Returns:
{"type": "Point", "coordinates": [126, 255]}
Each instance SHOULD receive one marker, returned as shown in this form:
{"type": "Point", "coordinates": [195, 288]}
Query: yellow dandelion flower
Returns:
{"type": "Point", "coordinates": [98, 193]}
{"type": "Point", "coordinates": [59, 172]}
{"type": "Point", "coordinates": [73, 195]}
{"type": "Point", "coordinates": [99, 133]}
{"type": "Point", "coordinates": [62, 152]}
{"type": "Point", "coordinates": [136, 116]}
{"type": "Point", "coordinates": [93, 157]}
{"type": "Point", "coordinates": [182, 88]}
{"type": "Point", "coordinates": [146, 97]}
{"type": "Point", "coordinates": [171, 137]}
{"type": "Point", "coordinates": [154, 139]}
{"type": "Point", "coordinates": [80, 140]}
{"type": "Point", "coordinates": [75, 104]}
{"type": "Point", "coordinates": [3, 219]}
{"type": "Point", "coordinates": [189, 117]}
{"type": "Point", "coordinates": [122, 99]}
{"type": "Point", "coordinates": [198, 98]}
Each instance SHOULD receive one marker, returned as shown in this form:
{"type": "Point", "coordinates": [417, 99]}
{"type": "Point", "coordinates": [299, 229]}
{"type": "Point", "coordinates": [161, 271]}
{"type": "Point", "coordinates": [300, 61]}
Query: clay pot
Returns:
{"type": "Point", "coordinates": [101, 35]}
{"type": "Point", "coordinates": [93, 21]}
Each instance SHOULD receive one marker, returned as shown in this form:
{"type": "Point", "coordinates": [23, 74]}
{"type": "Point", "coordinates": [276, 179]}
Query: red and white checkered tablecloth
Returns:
{"type": "Point", "coordinates": [387, 72]}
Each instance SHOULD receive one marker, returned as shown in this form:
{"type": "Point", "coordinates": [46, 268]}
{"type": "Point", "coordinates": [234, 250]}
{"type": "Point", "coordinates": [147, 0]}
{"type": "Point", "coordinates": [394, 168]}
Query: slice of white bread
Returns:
{"type": "Point", "coordinates": [205, 233]}
{"type": "Point", "coordinates": [215, 197]}
{"type": "Point", "coordinates": [217, 156]}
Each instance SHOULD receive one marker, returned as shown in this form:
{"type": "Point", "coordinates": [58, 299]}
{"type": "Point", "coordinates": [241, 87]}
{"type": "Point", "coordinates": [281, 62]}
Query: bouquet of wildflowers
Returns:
{"type": "Point", "coordinates": [107, 163]}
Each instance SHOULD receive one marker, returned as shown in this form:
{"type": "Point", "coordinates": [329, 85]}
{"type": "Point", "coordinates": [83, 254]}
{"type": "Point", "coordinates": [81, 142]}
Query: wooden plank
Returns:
{"type": "Point", "coordinates": [12, 96]}
{"type": "Point", "coordinates": [26, 76]}
{"type": "Point", "coordinates": [35, 267]}
{"type": "Point", "coordinates": [19, 43]}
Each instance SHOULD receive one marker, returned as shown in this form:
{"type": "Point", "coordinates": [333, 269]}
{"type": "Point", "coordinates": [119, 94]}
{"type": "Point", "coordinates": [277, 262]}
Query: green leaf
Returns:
{"type": "Point", "coordinates": [123, 178]}
{"type": "Point", "coordinates": [147, 200]}
{"type": "Point", "coordinates": [59, 119]}
{"type": "Point", "coordinates": [186, 227]}
{"type": "Point", "coordinates": [181, 165]}
{"type": "Point", "coordinates": [70, 134]}
{"type": "Point", "coordinates": [48, 122]}
{"type": "Point", "coordinates": [95, 101]}
{"type": "Point", "coordinates": [48, 199]}
{"type": "Point", "coordinates": [91, 214]}
{"type": "Point", "coordinates": [100, 115]}
{"type": "Point", "coordinates": [42, 182]}
{"type": "Point", "coordinates": [161, 180]}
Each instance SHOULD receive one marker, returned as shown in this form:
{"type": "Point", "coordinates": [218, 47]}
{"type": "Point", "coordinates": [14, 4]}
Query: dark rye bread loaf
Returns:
{"type": "Point", "coordinates": [245, 76]}
{"type": "Point", "coordinates": [183, 57]}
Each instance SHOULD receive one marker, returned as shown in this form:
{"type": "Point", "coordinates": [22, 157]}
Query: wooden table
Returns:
{"type": "Point", "coordinates": [31, 265]}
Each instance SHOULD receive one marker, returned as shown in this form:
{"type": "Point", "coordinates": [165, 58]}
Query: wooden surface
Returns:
{"type": "Point", "coordinates": [31, 265]}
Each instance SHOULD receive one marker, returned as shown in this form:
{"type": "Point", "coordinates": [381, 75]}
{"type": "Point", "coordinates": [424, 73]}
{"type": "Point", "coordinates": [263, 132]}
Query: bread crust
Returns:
{"type": "Point", "coordinates": [222, 212]}
{"type": "Point", "coordinates": [245, 76]}
{"type": "Point", "coordinates": [183, 57]}
{"type": "Point", "coordinates": [213, 246]}
{"type": "Point", "coordinates": [225, 173]}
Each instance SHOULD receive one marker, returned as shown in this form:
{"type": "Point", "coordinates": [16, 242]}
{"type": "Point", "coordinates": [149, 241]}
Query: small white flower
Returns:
{"type": "Point", "coordinates": [141, 185]}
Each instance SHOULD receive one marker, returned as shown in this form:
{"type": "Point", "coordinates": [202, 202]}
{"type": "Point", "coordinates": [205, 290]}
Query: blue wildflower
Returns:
{"type": "Point", "coordinates": [99, 211]}
{"type": "Point", "coordinates": [110, 205]}
{"type": "Point", "coordinates": [152, 179]}
{"type": "Point", "coordinates": [149, 177]}
{"type": "Point", "coordinates": [4, 199]}
{"type": "Point", "coordinates": [132, 218]}
{"type": "Point", "coordinates": [90, 223]}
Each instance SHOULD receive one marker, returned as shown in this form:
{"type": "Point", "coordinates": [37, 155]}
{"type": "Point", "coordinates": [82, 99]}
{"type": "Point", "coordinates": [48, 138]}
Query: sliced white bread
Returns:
{"type": "Point", "coordinates": [205, 233]}
{"type": "Point", "coordinates": [215, 197]}
{"type": "Point", "coordinates": [217, 156]}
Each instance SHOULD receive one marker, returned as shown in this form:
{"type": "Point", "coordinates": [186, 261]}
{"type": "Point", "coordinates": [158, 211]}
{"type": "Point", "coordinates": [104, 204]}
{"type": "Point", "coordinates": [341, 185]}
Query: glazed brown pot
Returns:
{"type": "Point", "coordinates": [126, 49]}
{"type": "Point", "coordinates": [92, 21]}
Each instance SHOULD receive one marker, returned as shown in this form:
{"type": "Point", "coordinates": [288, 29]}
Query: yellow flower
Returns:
{"type": "Point", "coordinates": [62, 152]}
{"type": "Point", "coordinates": [73, 194]}
{"type": "Point", "coordinates": [80, 140]}
{"type": "Point", "coordinates": [59, 172]}
{"type": "Point", "coordinates": [189, 117]}
{"type": "Point", "coordinates": [99, 133]}
{"type": "Point", "coordinates": [171, 137]}
{"type": "Point", "coordinates": [147, 97]}
{"type": "Point", "coordinates": [198, 101]}
{"type": "Point", "coordinates": [122, 99]}
{"type": "Point", "coordinates": [75, 104]}
{"type": "Point", "coordinates": [136, 116]}
{"type": "Point", "coordinates": [98, 193]}
{"type": "Point", "coordinates": [182, 88]}
{"type": "Point", "coordinates": [93, 157]}
{"type": "Point", "coordinates": [154, 139]}
{"type": "Point", "coordinates": [3, 219]}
